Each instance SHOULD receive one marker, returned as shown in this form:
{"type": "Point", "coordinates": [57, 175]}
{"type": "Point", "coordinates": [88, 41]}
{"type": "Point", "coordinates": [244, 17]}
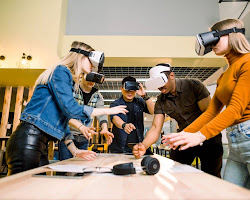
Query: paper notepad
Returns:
{"type": "Point", "coordinates": [80, 168]}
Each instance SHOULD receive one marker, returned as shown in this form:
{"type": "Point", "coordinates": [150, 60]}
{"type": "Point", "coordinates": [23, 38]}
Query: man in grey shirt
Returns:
{"type": "Point", "coordinates": [87, 95]}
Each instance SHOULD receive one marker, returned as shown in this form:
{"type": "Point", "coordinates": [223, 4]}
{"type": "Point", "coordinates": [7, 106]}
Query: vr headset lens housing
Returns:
{"type": "Point", "coordinates": [205, 41]}
{"type": "Point", "coordinates": [157, 77]}
{"type": "Point", "coordinates": [94, 77]}
{"type": "Point", "coordinates": [95, 57]}
{"type": "Point", "coordinates": [131, 86]}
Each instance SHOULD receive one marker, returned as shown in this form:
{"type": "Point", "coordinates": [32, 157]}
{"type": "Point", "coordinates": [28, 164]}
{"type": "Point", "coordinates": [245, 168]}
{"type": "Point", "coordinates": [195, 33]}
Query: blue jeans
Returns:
{"type": "Point", "coordinates": [237, 169]}
{"type": "Point", "coordinates": [64, 153]}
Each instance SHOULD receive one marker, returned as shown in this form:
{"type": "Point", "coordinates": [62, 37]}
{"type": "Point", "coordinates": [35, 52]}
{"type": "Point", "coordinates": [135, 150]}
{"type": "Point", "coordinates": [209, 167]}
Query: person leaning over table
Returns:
{"type": "Point", "coordinates": [51, 108]}
{"type": "Point", "coordinates": [233, 91]}
{"type": "Point", "coordinates": [87, 95]}
{"type": "Point", "coordinates": [129, 128]}
{"type": "Point", "coordinates": [183, 100]}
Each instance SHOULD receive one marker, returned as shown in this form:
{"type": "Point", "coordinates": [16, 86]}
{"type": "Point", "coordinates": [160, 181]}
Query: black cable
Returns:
{"type": "Point", "coordinates": [243, 10]}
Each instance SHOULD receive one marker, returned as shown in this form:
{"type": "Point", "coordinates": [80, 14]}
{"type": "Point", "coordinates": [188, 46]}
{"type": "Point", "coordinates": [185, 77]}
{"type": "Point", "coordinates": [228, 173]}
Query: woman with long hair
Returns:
{"type": "Point", "coordinates": [50, 110]}
{"type": "Point", "coordinates": [233, 91]}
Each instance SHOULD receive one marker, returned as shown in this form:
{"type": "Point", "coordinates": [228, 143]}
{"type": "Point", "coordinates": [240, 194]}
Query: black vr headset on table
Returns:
{"type": "Point", "coordinates": [131, 86]}
{"type": "Point", "coordinates": [97, 59]}
{"type": "Point", "coordinates": [149, 164]}
{"type": "Point", "coordinates": [205, 41]}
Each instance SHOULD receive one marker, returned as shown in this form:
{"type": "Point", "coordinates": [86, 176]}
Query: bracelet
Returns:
{"type": "Point", "coordinates": [69, 143]}
{"type": "Point", "coordinates": [74, 154]}
{"type": "Point", "coordinates": [80, 127]}
{"type": "Point", "coordinates": [201, 143]}
{"type": "Point", "coordinates": [146, 97]}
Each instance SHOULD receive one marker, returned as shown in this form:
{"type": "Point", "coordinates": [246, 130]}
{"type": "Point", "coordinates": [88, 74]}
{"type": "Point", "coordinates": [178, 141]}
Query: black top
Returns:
{"type": "Point", "coordinates": [184, 106]}
{"type": "Point", "coordinates": [120, 136]}
{"type": "Point", "coordinates": [86, 96]}
{"type": "Point", "coordinates": [132, 137]}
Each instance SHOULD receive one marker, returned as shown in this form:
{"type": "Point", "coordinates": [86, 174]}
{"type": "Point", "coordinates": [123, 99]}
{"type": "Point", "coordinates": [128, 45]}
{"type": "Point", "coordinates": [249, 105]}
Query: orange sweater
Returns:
{"type": "Point", "coordinates": [233, 90]}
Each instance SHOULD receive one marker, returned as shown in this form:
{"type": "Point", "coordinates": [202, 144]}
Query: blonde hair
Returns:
{"type": "Point", "coordinates": [237, 41]}
{"type": "Point", "coordinates": [72, 61]}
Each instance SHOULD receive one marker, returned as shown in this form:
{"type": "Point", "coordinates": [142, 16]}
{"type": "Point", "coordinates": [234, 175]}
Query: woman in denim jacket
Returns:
{"type": "Point", "coordinates": [50, 110]}
{"type": "Point", "coordinates": [233, 91]}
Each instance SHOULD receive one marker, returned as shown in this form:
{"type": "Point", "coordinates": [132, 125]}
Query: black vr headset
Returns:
{"type": "Point", "coordinates": [94, 77]}
{"type": "Point", "coordinates": [150, 166]}
{"type": "Point", "coordinates": [96, 57]}
{"type": "Point", "coordinates": [131, 86]}
{"type": "Point", "coordinates": [205, 41]}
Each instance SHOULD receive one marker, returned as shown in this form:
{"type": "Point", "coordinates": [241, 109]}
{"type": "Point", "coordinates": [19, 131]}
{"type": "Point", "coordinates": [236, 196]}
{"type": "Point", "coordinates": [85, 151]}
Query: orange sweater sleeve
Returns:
{"type": "Point", "coordinates": [213, 109]}
{"type": "Point", "coordinates": [234, 111]}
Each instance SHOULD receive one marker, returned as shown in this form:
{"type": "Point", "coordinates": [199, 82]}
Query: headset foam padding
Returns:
{"type": "Point", "coordinates": [150, 165]}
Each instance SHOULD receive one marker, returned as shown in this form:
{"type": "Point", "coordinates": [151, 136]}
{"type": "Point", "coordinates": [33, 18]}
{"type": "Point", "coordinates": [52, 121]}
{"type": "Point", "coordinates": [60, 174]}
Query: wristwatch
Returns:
{"type": "Point", "coordinates": [123, 125]}
{"type": "Point", "coordinates": [146, 97]}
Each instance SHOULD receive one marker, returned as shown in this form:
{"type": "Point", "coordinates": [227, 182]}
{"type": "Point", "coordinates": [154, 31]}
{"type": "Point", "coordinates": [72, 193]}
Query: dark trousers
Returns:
{"type": "Point", "coordinates": [210, 154]}
{"type": "Point", "coordinates": [27, 148]}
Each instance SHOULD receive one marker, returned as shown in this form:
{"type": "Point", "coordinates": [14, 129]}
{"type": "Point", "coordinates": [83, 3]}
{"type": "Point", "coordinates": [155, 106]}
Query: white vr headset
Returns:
{"type": "Point", "coordinates": [96, 58]}
{"type": "Point", "coordinates": [205, 41]}
{"type": "Point", "coordinates": [157, 76]}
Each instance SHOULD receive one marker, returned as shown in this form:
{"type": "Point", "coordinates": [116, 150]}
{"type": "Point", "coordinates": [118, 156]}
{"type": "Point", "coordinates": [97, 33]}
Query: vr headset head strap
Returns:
{"type": "Point", "coordinates": [231, 30]}
{"type": "Point", "coordinates": [86, 53]}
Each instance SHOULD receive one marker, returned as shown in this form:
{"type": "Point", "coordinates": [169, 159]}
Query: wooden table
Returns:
{"type": "Point", "coordinates": [167, 184]}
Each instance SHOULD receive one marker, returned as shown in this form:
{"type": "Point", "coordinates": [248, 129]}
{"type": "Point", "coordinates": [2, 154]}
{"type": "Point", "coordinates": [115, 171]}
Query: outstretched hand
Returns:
{"type": "Point", "coordinates": [108, 135]}
{"type": "Point", "coordinates": [129, 128]}
{"type": "Point", "coordinates": [117, 109]}
{"type": "Point", "coordinates": [88, 131]}
{"type": "Point", "coordinates": [183, 139]}
{"type": "Point", "coordinates": [85, 154]}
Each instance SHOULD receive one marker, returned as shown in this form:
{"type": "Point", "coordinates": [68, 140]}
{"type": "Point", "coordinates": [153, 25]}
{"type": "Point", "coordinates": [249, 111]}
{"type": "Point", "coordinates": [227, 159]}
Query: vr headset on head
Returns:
{"type": "Point", "coordinates": [131, 86]}
{"type": "Point", "coordinates": [94, 77]}
{"type": "Point", "coordinates": [205, 41]}
{"type": "Point", "coordinates": [157, 76]}
{"type": "Point", "coordinates": [96, 57]}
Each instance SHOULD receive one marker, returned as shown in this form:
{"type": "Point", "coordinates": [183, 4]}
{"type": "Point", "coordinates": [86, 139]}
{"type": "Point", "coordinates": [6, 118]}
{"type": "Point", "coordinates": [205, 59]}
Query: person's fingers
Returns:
{"type": "Point", "coordinates": [88, 158]}
{"type": "Point", "coordinates": [90, 152]}
{"type": "Point", "coordinates": [164, 140]}
{"type": "Point", "coordinates": [180, 142]}
{"type": "Point", "coordinates": [177, 138]}
{"type": "Point", "coordinates": [122, 106]}
{"type": "Point", "coordinates": [140, 146]}
{"type": "Point", "coordinates": [132, 126]}
{"type": "Point", "coordinates": [135, 147]}
{"type": "Point", "coordinates": [129, 129]}
{"type": "Point", "coordinates": [111, 134]}
{"type": "Point", "coordinates": [165, 143]}
{"type": "Point", "coordinates": [124, 111]}
{"type": "Point", "coordinates": [171, 135]}
{"type": "Point", "coordinates": [92, 156]}
{"type": "Point", "coordinates": [93, 132]}
{"type": "Point", "coordinates": [85, 133]}
{"type": "Point", "coordinates": [184, 147]}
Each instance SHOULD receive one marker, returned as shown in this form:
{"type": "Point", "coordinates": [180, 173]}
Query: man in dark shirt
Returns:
{"type": "Point", "coordinates": [129, 128]}
{"type": "Point", "coordinates": [184, 100]}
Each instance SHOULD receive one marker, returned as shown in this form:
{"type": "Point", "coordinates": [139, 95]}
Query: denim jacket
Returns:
{"type": "Point", "coordinates": [120, 136]}
{"type": "Point", "coordinates": [53, 105]}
